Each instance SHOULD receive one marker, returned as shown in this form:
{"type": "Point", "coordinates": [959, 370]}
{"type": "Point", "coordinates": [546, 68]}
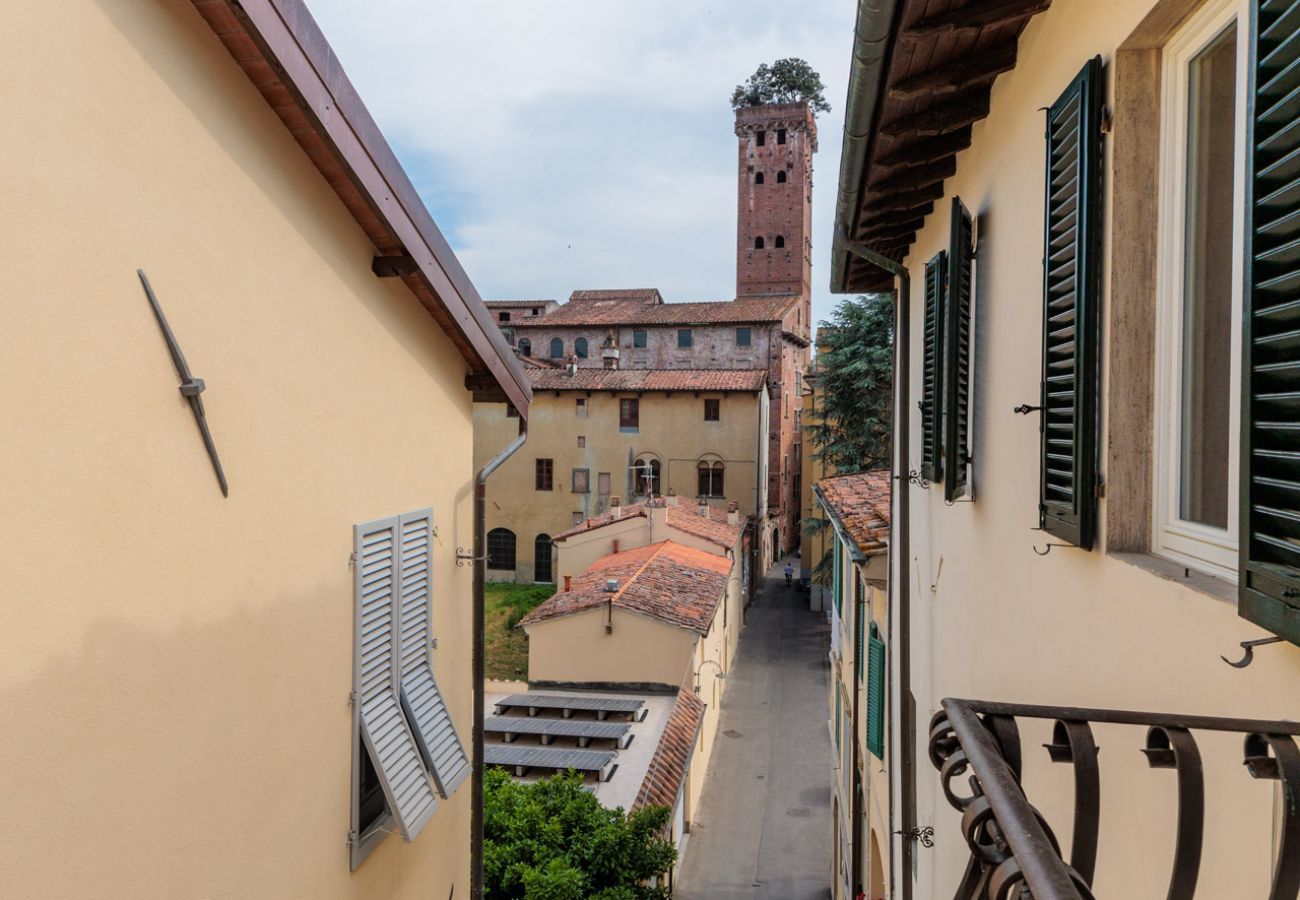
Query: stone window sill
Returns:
{"type": "Point", "coordinates": [1209, 585]}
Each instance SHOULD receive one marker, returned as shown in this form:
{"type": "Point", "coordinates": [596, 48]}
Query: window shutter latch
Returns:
{"type": "Point", "coordinates": [1025, 409]}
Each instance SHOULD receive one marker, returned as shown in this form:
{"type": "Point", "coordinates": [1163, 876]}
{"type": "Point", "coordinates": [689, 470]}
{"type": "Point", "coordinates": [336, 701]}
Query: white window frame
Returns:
{"type": "Point", "coordinates": [1193, 544]}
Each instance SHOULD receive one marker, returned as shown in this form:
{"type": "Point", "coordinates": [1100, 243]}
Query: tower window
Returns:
{"type": "Point", "coordinates": [503, 317]}
{"type": "Point", "coordinates": [580, 348]}
{"type": "Point", "coordinates": [557, 348]}
{"type": "Point", "coordinates": [525, 347]}
{"type": "Point", "coordinates": [758, 243]}
{"type": "Point", "coordinates": [760, 138]}
{"type": "Point", "coordinates": [639, 338]}
{"type": "Point", "coordinates": [685, 338]}
{"type": "Point", "coordinates": [758, 178]}
{"type": "Point", "coordinates": [780, 177]}
{"type": "Point", "coordinates": [780, 135]}
{"type": "Point", "coordinates": [780, 242]}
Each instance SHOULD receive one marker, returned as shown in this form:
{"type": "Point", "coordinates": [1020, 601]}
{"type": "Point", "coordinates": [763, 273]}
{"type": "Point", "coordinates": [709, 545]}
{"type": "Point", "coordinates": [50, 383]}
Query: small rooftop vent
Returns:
{"type": "Point", "coordinates": [611, 585]}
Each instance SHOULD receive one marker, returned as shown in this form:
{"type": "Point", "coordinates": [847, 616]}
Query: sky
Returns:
{"type": "Point", "coordinates": [580, 144]}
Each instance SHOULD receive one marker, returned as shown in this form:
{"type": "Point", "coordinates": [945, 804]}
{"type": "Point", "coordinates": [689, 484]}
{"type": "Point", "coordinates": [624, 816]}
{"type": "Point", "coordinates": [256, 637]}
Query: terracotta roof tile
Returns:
{"type": "Point", "coordinates": [677, 585]}
{"type": "Point", "coordinates": [617, 309]}
{"type": "Point", "coordinates": [592, 379]}
{"type": "Point", "coordinates": [687, 518]}
{"type": "Point", "coordinates": [667, 771]}
{"type": "Point", "coordinates": [861, 504]}
{"type": "Point", "coordinates": [642, 295]}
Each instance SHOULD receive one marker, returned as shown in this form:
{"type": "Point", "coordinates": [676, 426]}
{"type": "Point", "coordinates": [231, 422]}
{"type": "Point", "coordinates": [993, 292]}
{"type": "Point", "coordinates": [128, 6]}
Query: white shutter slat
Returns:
{"type": "Point", "coordinates": [435, 733]}
{"type": "Point", "coordinates": [384, 730]}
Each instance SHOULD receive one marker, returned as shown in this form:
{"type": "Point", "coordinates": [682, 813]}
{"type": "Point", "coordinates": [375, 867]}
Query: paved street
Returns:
{"type": "Point", "coordinates": [763, 829]}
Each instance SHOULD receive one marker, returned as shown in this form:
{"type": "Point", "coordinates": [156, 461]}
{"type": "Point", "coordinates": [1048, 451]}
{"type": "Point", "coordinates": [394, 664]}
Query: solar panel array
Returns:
{"type": "Point", "coordinates": [567, 704]}
{"type": "Point", "coordinates": [553, 728]}
{"type": "Point", "coordinates": [559, 759]}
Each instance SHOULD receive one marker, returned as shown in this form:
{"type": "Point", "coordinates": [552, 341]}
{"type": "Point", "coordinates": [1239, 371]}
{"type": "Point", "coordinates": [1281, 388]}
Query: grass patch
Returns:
{"type": "Point", "coordinates": [506, 647]}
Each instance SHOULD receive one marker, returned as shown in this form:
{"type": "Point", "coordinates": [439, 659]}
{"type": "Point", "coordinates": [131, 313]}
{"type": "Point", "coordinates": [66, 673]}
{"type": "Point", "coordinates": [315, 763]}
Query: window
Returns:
{"type": "Point", "coordinates": [780, 241]}
{"type": "Point", "coordinates": [580, 348]}
{"type": "Point", "coordinates": [744, 337]}
{"type": "Point", "coordinates": [580, 407]}
{"type": "Point", "coordinates": [1199, 301]}
{"type": "Point", "coordinates": [639, 338]}
{"type": "Point", "coordinates": [582, 441]}
{"type": "Point", "coordinates": [542, 569]}
{"type": "Point", "coordinates": [629, 414]}
{"type": "Point", "coordinates": [603, 484]}
{"type": "Point", "coordinates": [648, 468]}
{"type": "Point", "coordinates": [581, 481]}
{"type": "Point", "coordinates": [780, 135]}
{"type": "Point", "coordinates": [685, 338]}
{"type": "Point", "coordinates": [544, 475]}
{"type": "Point", "coordinates": [393, 560]}
{"type": "Point", "coordinates": [536, 310]}
{"type": "Point", "coordinates": [710, 478]}
{"type": "Point", "coordinates": [557, 348]}
{"type": "Point", "coordinates": [760, 138]}
{"type": "Point", "coordinates": [501, 549]}
{"type": "Point", "coordinates": [525, 347]}
{"type": "Point", "coordinates": [577, 517]}
{"type": "Point", "coordinates": [780, 177]}
{"type": "Point", "coordinates": [712, 410]}
{"type": "Point", "coordinates": [936, 272]}
{"type": "Point", "coordinates": [758, 243]}
{"type": "Point", "coordinates": [758, 178]}
{"type": "Point", "coordinates": [503, 317]}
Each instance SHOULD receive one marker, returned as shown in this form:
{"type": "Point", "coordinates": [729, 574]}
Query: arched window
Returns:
{"type": "Point", "coordinates": [501, 549]}
{"type": "Point", "coordinates": [525, 347]}
{"type": "Point", "coordinates": [758, 178]}
{"type": "Point", "coordinates": [557, 348]}
{"type": "Point", "coordinates": [648, 466]}
{"type": "Point", "coordinates": [711, 478]}
{"type": "Point", "coordinates": [542, 559]}
{"type": "Point", "coordinates": [780, 242]}
{"type": "Point", "coordinates": [780, 177]}
{"type": "Point", "coordinates": [758, 243]}
{"type": "Point", "coordinates": [580, 348]}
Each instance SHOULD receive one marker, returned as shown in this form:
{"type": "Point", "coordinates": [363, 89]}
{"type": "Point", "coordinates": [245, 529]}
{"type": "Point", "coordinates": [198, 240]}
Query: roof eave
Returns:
{"type": "Point", "coordinates": [856, 553]}
{"type": "Point", "coordinates": [284, 54]}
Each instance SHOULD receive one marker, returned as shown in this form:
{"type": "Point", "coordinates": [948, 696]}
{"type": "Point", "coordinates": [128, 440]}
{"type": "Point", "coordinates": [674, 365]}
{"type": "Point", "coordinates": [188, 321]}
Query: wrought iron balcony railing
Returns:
{"type": "Point", "coordinates": [1014, 853]}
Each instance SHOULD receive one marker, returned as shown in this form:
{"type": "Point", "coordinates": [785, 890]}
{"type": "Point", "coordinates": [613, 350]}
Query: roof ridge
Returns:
{"type": "Point", "coordinates": [659, 548]}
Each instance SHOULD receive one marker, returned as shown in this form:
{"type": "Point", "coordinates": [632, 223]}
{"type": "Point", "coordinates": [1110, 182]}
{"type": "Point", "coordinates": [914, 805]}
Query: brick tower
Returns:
{"type": "Point", "coordinates": [774, 225]}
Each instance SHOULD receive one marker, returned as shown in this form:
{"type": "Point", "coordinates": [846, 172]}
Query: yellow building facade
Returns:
{"type": "Point", "coordinates": [180, 679]}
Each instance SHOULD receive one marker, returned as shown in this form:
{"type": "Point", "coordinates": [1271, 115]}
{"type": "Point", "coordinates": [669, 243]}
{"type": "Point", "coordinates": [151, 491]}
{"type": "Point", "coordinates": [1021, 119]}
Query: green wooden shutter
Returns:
{"type": "Point", "coordinates": [860, 611]}
{"type": "Point", "coordinates": [932, 370]}
{"type": "Point", "coordinates": [1071, 295]}
{"type": "Point", "coordinates": [1269, 582]}
{"type": "Point", "coordinates": [956, 369]}
{"type": "Point", "coordinates": [876, 694]}
{"type": "Point", "coordinates": [837, 588]}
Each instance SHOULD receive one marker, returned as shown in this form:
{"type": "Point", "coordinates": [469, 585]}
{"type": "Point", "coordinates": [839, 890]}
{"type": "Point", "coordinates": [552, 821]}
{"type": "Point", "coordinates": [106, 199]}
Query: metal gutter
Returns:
{"type": "Point", "coordinates": [901, 809]}
{"type": "Point", "coordinates": [872, 36]}
{"type": "Point", "coordinates": [479, 669]}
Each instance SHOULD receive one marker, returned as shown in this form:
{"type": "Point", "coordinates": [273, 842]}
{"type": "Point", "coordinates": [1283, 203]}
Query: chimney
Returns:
{"type": "Point", "coordinates": [571, 367]}
{"type": "Point", "coordinates": [568, 583]}
{"type": "Point", "coordinates": [733, 513]}
{"type": "Point", "coordinates": [609, 352]}
{"type": "Point", "coordinates": [704, 507]}
{"type": "Point", "coordinates": [615, 508]}
{"type": "Point", "coordinates": [615, 546]}
{"type": "Point", "coordinates": [671, 499]}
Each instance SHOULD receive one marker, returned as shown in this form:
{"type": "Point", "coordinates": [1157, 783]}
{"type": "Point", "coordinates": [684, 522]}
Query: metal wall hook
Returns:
{"type": "Point", "coordinates": [1249, 648]}
{"type": "Point", "coordinates": [462, 557]}
{"type": "Point", "coordinates": [1025, 409]}
{"type": "Point", "coordinates": [1049, 547]}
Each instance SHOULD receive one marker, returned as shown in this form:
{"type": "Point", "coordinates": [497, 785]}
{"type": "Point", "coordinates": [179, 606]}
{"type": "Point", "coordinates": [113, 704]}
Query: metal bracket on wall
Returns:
{"type": "Point", "coordinates": [922, 835]}
{"type": "Point", "coordinates": [190, 387]}
{"type": "Point", "coordinates": [1249, 647]}
{"type": "Point", "coordinates": [1025, 409]}
{"type": "Point", "coordinates": [463, 558]}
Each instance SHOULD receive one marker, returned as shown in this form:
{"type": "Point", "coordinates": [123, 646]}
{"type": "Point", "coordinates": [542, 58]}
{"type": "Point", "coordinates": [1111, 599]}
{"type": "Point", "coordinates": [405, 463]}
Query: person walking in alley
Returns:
{"type": "Point", "coordinates": [789, 573]}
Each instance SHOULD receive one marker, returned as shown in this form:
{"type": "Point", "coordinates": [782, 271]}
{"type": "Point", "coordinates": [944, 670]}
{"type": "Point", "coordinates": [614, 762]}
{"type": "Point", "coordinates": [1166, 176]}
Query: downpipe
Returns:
{"type": "Point", "coordinates": [902, 809]}
{"type": "Point", "coordinates": [478, 663]}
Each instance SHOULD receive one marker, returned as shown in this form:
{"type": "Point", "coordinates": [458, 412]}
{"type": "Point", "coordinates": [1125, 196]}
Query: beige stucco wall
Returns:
{"type": "Point", "coordinates": [672, 428]}
{"type": "Point", "coordinates": [991, 619]}
{"type": "Point", "coordinates": [175, 667]}
{"type": "Point", "coordinates": [639, 649]}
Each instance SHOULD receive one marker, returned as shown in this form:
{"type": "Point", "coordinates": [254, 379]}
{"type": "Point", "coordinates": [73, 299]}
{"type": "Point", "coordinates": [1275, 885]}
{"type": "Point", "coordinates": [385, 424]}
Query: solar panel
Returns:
{"type": "Point", "coordinates": [559, 759]}
{"type": "Point", "coordinates": [568, 705]}
{"type": "Point", "coordinates": [549, 729]}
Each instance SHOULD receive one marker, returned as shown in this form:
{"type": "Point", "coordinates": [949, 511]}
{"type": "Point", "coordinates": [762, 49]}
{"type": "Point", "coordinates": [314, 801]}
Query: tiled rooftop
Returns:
{"type": "Point", "coordinates": [620, 309]}
{"type": "Point", "coordinates": [643, 295]}
{"type": "Point", "coordinates": [672, 757]}
{"type": "Point", "coordinates": [676, 585]}
{"type": "Point", "coordinates": [861, 503]}
{"type": "Point", "coordinates": [687, 518]}
{"type": "Point", "coordinates": [592, 379]}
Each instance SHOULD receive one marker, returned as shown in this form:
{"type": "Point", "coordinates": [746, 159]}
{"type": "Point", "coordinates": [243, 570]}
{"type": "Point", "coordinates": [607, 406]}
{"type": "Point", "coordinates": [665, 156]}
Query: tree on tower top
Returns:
{"type": "Point", "coordinates": [785, 81]}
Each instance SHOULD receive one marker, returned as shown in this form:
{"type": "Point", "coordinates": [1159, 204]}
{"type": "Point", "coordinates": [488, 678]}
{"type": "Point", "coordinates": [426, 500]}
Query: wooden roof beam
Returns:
{"type": "Point", "coordinates": [894, 229]}
{"type": "Point", "coordinates": [916, 176]}
{"type": "Point", "coordinates": [965, 72]}
{"type": "Point", "coordinates": [893, 217]}
{"type": "Point", "coordinates": [907, 200]}
{"type": "Point", "coordinates": [942, 118]}
{"type": "Point", "coordinates": [923, 152]}
{"type": "Point", "coordinates": [973, 17]}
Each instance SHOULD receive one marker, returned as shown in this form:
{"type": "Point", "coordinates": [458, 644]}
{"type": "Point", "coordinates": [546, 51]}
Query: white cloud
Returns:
{"type": "Point", "coordinates": [586, 143]}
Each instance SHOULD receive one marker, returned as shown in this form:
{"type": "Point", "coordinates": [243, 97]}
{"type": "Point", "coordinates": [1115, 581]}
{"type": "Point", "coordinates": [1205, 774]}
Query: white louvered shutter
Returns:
{"type": "Point", "coordinates": [384, 730]}
{"type": "Point", "coordinates": [425, 707]}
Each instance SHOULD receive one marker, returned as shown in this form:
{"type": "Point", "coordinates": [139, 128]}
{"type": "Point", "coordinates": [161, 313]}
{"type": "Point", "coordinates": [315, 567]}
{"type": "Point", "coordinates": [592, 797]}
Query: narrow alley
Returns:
{"type": "Point", "coordinates": [763, 829]}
